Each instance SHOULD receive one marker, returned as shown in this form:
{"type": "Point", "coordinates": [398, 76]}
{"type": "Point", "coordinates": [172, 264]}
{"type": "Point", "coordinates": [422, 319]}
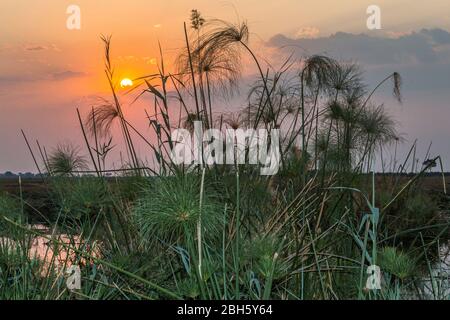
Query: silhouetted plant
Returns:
{"type": "Point", "coordinates": [65, 159]}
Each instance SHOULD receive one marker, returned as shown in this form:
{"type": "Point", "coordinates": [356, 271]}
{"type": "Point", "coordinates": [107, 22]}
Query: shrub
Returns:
{"type": "Point", "coordinates": [79, 199]}
{"type": "Point", "coordinates": [416, 211]}
{"type": "Point", "coordinates": [170, 209]}
{"type": "Point", "coordinates": [396, 262]}
{"type": "Point", "coordinates": [9, 208]}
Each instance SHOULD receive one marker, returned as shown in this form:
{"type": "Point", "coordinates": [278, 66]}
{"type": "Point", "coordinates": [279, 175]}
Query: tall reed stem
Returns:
{"type": "Point", "coordinates": [238, 225]}
{"type": "Point", "coordinates": [199, 227]}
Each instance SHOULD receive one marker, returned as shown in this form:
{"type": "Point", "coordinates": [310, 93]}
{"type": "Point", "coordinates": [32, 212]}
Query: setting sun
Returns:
{"type": "Point", "coordinates": [126, 83]}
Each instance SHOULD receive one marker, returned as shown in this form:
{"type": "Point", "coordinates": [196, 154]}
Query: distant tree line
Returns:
{"type": "Point", "coordinates": [12, 175]}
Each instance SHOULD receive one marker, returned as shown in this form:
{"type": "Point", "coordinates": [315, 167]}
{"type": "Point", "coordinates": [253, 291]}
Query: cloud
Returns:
{"type": "Point", "coordinates": [64, 75]}
{"type": "Point", "coordinates": [39, 47]}
{"type": "Point", "coordinates": [422, 57]}
{"type": "Point", "coordinates": [150, 60]}
{"type": "Point", "coordinates": [438, 36]}
{"type": "Point", "coordinates": [409, 48]}
{"type": "Point", "coordinates": [35, 48]}
{"type": "Point", "coordinates": [127, 58]}
{"type": "Point", "coordinates": [23, 77]}
{"type": "Point", "coordinates": [33, 77]}
{"type": "Point", "coordinates": [307, 33]}
{"type": "Point", "coordinates": [398, 34]}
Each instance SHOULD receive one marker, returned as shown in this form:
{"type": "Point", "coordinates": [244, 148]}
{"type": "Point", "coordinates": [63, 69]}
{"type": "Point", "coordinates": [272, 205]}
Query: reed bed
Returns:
{"type": "Point", "coordinates": [165, 231]}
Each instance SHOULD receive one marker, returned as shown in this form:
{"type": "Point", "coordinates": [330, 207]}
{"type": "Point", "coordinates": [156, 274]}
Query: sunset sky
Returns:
{"type": "Point", "coordinates": [46, 70]}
